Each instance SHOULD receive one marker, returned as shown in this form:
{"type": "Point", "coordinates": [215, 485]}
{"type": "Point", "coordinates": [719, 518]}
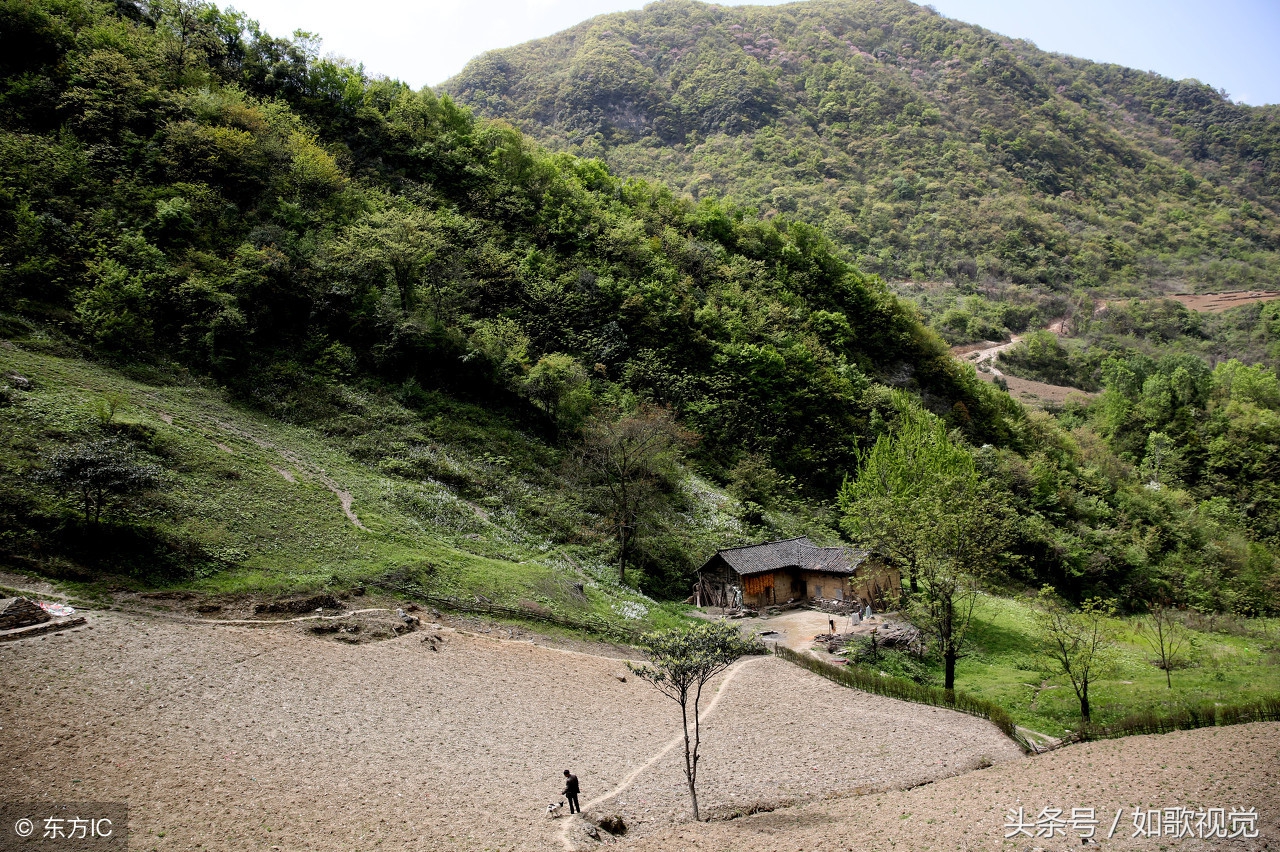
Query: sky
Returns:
{"type": "Point", "coordinates": [1230, 44]}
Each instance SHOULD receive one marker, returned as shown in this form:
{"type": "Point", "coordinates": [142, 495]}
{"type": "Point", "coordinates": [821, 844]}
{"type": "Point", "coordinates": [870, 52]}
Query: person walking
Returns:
{"type": "Point", "coordinates": [571, 791]}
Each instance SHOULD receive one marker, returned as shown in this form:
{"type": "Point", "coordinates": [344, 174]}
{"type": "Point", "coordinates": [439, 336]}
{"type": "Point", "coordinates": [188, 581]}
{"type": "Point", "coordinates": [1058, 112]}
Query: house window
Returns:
{"type": "Point", "coordinates": [817, 591]}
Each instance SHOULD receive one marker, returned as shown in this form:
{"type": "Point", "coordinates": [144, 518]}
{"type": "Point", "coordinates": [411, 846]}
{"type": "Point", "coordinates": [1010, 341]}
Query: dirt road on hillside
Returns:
{"type": "Point", "coordinates": [1026, 390]}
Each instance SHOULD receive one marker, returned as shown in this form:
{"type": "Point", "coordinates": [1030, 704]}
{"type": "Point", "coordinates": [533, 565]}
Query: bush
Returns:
{"type": "Point", "coordinates": [97, 474]}
{"type": "Point", "coordinates": [893, 662]}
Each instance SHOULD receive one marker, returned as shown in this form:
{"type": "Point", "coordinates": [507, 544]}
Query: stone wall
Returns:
{"type": "Point", "coordinates": [22, 613]}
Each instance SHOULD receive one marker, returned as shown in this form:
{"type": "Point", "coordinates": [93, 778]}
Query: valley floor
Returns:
{"type": "Point", "coordinates": [229, 737]}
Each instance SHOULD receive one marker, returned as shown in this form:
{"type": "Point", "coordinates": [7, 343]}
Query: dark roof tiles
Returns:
{"type": "Point", "coordinates": [792, 553]}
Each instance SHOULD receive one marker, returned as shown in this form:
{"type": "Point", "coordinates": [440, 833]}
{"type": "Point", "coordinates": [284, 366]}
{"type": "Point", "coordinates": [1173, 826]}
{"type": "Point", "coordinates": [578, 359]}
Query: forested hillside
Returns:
{"type": "Point", "coordinates": [929, 149]}
{"type": "Point", "coordinates": [180, 191]}
{"type": "Point", "coordinates": [203, 223]}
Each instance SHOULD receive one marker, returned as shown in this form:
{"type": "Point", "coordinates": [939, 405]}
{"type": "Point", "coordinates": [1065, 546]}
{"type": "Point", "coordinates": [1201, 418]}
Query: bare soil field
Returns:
{"type": "Point", "coordinates": [1208, 768]}
{"type": "Point", "coordinates": [242, 738]}
{"type": "Point", "coordinates": [233, 737]}
{"type": "Point", "coordinates": [1216, 303]}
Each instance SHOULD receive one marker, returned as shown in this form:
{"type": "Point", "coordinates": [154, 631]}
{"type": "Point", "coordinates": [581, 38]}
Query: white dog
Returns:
{"type": "Point", "coordinates": [553, 810]}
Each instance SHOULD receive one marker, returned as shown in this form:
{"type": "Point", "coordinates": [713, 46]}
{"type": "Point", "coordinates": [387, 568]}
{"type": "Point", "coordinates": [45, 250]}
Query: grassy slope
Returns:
{"type": "Point", "coordinates": [1227, 667]}
{"type": "Point", "coordinates": [260, 533]}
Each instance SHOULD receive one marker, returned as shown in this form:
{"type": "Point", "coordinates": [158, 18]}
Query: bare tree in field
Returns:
{"type": "Point", "coordinates": [1167, 636]}
{"type": "Point", "coordinates": [630, 466]}
{"type": "Point", "coordinates": [681, 662]}
{"type": "Point", "coordinates": [1076, 642]}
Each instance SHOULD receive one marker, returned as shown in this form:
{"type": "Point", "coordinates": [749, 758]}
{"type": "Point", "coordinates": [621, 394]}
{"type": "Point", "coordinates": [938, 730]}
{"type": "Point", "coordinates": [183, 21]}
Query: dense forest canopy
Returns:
{"type": "Point", "coordinates": [929, 149]}
{"type": "Point", "coordinates": [185, 196]}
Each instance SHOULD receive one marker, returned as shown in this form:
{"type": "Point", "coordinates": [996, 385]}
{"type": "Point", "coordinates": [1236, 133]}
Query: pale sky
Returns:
{"type": "Point", "coordinates": [1229, 44]}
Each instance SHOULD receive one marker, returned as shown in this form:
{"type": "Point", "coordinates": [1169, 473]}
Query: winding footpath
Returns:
{"type": "Point", "coordinates": [675, 742]}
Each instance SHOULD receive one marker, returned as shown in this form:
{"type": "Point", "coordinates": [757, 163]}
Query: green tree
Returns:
{"type": "Point", "coordinates": [919, 500]}
{"type": "Point", "coordinates": [99, 473]}
{"type": "Point", "coordinates": [560, 386]}
{"type": "Point", "coordinates": [681, 663]}
{"type": "Point", "coordinates": [630, 466]}
{"type": "Point", "coordinates": [1076, 642]}
{"type": "Point", "coordinates": [964, 531]}
{"type": "Point", "coordinates": [392, 247]}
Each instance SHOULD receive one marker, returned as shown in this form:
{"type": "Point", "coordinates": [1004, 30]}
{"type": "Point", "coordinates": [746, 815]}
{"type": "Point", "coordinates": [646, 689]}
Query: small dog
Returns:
{"type": "Point", "coordinates": [553, 810]}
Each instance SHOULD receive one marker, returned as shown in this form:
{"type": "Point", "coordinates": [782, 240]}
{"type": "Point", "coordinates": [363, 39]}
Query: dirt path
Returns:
{"type": "Point", "coordinates": [1028, 391]}
{"type": "Point", "coordinates": [676, 742]}
{"type": "Point", "coordinates": [206, 423]}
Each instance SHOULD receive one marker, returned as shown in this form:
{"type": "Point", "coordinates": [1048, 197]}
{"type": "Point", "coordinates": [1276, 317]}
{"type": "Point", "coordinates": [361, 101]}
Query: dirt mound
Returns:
{"type": "Point", "coordinates": [299, 605]}
{"type": "Point", "coordinates": [362, 627]}
{"type": "Point", "coordinates": [612, 823]}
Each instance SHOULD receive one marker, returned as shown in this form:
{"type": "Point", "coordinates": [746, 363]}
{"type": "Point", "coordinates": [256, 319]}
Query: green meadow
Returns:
{"type": "Point", "coordinates": [1231, 661]}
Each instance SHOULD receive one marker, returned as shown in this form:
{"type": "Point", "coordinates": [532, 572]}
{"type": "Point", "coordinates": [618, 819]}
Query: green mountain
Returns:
{"type": "Point", "coordinates": [927, 148]}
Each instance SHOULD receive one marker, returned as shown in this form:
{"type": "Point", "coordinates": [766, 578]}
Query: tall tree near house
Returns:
{"type": "Point", "coordinates": [965, 530]}
{"type": "Point", "coordinates": [1167, 636]}
{"type": "Point", "coordinates": [881, 507]}
{"type": "Point", "coordinates": [1076, 642]}
{"type": "Point", "coordinates": [919, 499]}
{"type": "Point", "coordinates": [681, 663]}
{"type": "Point", "coordinates": [629, 464]}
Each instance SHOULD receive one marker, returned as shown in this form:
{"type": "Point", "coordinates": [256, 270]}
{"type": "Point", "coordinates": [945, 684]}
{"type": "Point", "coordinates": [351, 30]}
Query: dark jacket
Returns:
{"type": "Point", "coordinates": [570, 786]}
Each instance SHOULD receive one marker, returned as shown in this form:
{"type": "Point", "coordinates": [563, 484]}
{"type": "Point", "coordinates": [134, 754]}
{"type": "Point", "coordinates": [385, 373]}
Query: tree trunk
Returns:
{"type": "Point", "coordinates": [1084, 705]}
{"type": "Point", "coordinates": [623, 545]}
{"type": "Point", "coordinates": [949, 676]}
{"type": "Point", "coordinates": [690, 759]}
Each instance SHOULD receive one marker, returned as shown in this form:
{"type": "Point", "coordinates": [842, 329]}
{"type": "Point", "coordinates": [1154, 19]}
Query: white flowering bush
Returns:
{"type": "Point", "coordinates": [633, 610]}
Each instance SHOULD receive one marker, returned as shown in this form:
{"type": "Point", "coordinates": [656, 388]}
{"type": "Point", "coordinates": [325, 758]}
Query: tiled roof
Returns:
{"type": "Point", "coordinates": [792, 553]}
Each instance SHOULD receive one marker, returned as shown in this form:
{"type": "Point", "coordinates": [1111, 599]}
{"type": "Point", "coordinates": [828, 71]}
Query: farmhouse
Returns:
{"type": "Point", "coordinates": [796, 569]}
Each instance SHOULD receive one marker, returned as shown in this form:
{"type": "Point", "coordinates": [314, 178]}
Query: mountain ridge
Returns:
{"type": "Point", "coordinates": [906, 135]}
